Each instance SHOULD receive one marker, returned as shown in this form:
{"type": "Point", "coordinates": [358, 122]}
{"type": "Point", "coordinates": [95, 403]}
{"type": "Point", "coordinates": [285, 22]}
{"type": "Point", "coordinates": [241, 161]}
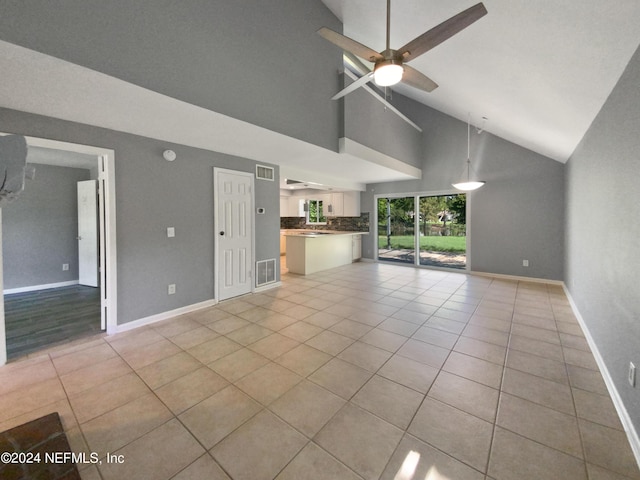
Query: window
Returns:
{"type": "Point", "coordinates": [315, 213]}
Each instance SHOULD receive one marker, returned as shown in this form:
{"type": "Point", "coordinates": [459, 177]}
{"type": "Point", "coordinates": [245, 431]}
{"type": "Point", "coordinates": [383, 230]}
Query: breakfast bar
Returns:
{"type": "Point", "coordinates": [310, 251]}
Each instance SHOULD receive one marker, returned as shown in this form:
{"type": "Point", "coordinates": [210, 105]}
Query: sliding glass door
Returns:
{"type": "Point", "coordinates": [396, 230]}
{"type": "Point", "coordinates": [436, 229]}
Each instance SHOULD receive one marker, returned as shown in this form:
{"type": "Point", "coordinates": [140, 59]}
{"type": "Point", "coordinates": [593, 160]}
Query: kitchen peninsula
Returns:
{"type": "Point", "coordinates": [310, 251]}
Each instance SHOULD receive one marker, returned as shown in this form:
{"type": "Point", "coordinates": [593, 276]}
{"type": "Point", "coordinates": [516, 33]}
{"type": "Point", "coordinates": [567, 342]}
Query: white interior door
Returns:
{"type": "Point", "coordinates": [234, 232]}
{"type": "Point", "coordinates": [88, 259]}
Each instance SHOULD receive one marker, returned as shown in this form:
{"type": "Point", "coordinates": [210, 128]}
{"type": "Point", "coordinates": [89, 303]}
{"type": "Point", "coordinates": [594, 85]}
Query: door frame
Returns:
{"type": "Point", "coordinates": [216, 229]}
{"type": "Point", "coordinates": [416, 195]}
{"type": "Point", "coordinates": [108, 261]}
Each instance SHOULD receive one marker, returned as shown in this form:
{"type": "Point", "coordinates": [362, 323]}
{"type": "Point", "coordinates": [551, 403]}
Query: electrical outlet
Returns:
{"type": "Point", "coordinates": [171, 289]}
{"type": "Point", "coordinates": [65, 267]}
{"type": "Point", "coordinates": [632, 374]}
{"type": "Point", "coordinates": [525, 263]}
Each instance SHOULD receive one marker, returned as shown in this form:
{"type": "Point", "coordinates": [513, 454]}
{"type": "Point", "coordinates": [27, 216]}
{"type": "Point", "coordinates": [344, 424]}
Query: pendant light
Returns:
{"type": "Point", "coordinates": [467, 184]}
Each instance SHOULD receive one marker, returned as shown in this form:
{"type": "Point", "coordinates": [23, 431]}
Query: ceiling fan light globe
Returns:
{"type": "Point", "coordinates": [387, 74]}
{"type": "Point", "coordinates": [468, 186]}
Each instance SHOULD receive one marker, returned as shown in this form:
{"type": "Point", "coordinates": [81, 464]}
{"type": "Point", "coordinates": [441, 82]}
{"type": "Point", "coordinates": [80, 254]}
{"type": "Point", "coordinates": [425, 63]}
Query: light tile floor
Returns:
{"type": "Point", "coordinates": [369, 371]}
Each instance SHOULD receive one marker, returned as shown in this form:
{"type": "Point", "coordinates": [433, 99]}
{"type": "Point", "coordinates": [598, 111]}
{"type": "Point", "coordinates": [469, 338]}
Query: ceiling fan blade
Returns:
{"type": "Point", "coordinates": [354, 86]}
{"type": "Point", "coordinates": [414, 78]}
{"type": "Point", "coordinates": [442, 32]}
{"type": "Point", "coordinates": [349, 44]}
{"type": "Point", "coordinates": [356, 63]}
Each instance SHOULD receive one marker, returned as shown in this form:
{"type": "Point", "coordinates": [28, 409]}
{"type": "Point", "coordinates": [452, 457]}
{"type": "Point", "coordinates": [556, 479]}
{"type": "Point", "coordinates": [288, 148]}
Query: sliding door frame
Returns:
{"type": "Point", "coordinates": [416, 226]}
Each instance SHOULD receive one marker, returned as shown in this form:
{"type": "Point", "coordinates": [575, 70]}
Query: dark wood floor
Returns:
{"type": "Point", "coordinates": [35, 320]}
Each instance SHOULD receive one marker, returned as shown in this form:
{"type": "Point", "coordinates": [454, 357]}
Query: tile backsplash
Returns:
{"type": "Point", "coordinates": [349, 224]}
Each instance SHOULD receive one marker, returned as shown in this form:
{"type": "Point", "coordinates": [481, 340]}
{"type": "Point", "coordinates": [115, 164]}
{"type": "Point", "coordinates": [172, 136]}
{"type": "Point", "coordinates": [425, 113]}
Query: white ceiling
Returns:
{"type": "Point", "coordinates": [539, 70]}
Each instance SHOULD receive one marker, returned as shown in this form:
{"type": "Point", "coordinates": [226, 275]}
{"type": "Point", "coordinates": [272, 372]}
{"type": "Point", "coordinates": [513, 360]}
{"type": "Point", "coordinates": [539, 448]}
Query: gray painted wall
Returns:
{"type": "Point", "coordinates": [153, 194]}
{"type": "Point", "coordinates": [40, 227]}
{"type": "Point", "coordinates": [603, 228]}
{"type": "Point", "coordinates": [256, 61]}
{"type": "Point", "coordinates": [368, 122]}
{"type": "Point", "coordinates": [518, 214]}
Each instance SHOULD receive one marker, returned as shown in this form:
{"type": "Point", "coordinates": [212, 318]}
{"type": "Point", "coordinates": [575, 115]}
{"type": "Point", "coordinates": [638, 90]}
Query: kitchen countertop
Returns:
{"type": "Point", "coordinates": [317, 233]}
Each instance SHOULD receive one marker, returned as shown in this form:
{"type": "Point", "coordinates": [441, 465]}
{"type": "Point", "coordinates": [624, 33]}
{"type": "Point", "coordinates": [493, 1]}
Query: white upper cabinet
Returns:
{"type": "Point", "coordinates": [334, 205]}
{"type": "Point", "coordinates": [343, 204]}
{"type": "Point", "coordinates": [338, 204]}
{"type": "Point", "coordinates": [351, 204]}
{"type": "Point", "coordinates": [284, 206]}
{"type": "Point", "coordinates": [296, 206]}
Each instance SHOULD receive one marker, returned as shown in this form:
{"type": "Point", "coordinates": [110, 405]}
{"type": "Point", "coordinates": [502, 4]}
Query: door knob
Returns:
{"type": "Point", "coordinates": [221, 233]}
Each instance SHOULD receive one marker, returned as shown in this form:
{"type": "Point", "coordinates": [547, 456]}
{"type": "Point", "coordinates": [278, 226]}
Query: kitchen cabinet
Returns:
{"type": "Point", "coordinates": [310, 251]}
{"type": "Point", "coordinates": [296, 208]}
{"type": "Point", "coordinates": [338, 204]}
{"type": "Point", "coordinates": [283, 244]}
{"type": "Point", "coordinates": [335, 202]}
{"type": "Point", "coordinates": [343, 204]}
{"type": "Point", "coordinates": [356, 248]}
{"type": "Point", "coordinates": [284, 206]}
{"type": "Point", "coordinates": [351, 204]}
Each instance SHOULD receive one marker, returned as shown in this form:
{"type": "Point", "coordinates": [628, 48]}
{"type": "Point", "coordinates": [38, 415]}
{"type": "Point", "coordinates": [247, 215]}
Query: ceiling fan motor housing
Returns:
{"type": "Point", "coordinates": [388, 70]}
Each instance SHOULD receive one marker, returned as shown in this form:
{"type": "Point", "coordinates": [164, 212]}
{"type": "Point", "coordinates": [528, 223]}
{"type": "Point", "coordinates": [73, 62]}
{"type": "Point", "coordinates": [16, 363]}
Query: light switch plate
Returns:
{"type": "Point", "coordinates": [171, 232]}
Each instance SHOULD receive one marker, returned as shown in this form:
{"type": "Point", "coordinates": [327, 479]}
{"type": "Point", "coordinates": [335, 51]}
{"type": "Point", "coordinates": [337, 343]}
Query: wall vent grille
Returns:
{"type": "Point", "coordinates": [266, 272]}
{"type": "Point", "coordinates": [265, 173]}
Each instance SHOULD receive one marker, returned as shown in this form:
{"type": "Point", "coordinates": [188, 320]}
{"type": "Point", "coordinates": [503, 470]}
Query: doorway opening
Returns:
{"type": "Point", "coordinates": [58, 255]}
{"type": "Point", "coordinates": [434, 226]}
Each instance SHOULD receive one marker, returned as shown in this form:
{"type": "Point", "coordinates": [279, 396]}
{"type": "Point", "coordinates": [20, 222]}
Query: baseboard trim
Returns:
{"type": "Point", "coordinates": [34, 288]}
{"type": "Point", "coordinates": [516, 278]}
{"type": "Point", "coordinates": [160, 317]}
{"type": "Point", "coordinates": [625, 419]}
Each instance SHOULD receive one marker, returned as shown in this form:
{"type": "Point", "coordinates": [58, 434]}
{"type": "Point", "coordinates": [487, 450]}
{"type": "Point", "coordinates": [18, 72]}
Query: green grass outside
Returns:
{"type": "Point", "coordinates": [437, 244]}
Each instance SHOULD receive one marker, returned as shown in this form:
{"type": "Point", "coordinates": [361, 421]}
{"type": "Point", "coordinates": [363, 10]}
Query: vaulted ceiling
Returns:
{"type": "Point", "coordinates": [539, 71]}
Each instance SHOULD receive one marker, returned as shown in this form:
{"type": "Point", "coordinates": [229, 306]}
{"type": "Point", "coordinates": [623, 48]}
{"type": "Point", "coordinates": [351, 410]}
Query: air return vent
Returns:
{"type": "Point", "coordinates": [265, 272]}
{"type": "Point", "coordinates": [264, 173]}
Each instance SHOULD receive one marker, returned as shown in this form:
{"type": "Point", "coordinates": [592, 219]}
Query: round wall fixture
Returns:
{"type": "Point", "coordinates": [169, 155]}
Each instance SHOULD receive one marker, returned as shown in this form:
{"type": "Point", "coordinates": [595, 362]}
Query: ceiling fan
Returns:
{"type": "Point", "coordinates": [390, 65]}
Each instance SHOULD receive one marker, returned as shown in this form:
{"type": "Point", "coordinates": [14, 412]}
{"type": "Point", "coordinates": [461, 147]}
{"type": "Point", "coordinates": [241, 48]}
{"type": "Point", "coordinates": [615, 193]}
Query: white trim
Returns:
{"type": "Point", "coordinates": [34, 288]}
{"type": "Point", "coordinates": [625, 419]}
{"type": "Point", "coordinates": [347, 146]}
{"type": "Point", "coordinates": [141, 322]}
{"type": "Point", "coordinates": [516, 278]}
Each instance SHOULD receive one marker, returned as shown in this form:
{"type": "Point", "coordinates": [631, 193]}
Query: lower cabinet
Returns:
{"type": "Point", "coordinates": [356, 246]}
